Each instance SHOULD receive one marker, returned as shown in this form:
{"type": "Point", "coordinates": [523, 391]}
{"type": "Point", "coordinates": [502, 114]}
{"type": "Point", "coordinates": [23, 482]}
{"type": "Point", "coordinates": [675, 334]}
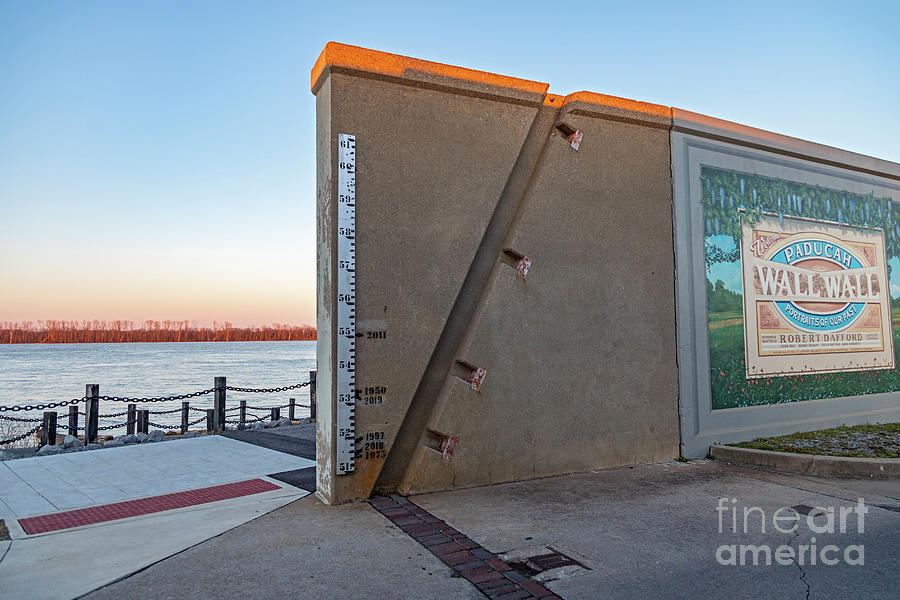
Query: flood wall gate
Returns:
{"type": "Point", "coordinates": [497, 277]}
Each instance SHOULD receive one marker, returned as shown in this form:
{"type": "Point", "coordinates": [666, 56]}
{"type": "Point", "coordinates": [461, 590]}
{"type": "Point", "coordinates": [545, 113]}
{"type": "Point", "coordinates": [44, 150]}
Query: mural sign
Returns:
{"type": "Point", "coordinates": [802, 290]}
{"type": "Point", "coordinates": [815, 298]}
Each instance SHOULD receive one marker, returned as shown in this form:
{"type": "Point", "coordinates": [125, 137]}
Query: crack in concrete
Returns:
{"type": "Point", "coordinates": [34, 489]}
{"type": "Point", "coordinates": [799, 566]}
{"type": "Point", "coordinates": [5, 552]}
{"type": "Point", "coordinates": [792, 480]}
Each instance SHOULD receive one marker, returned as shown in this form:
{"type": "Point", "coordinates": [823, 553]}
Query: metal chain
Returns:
{"type": "Point", "coordinates": [228, 410]}
{"type": "Point", "coordinates": [157, 398]}
{"type": "Point", "coordinates": [164, 412]}
{"type": "Point", "coordinates": [17, 420]}
{"type": "Point", "coordinates": [119, 414]}
{"type": "Point", "coordinates": [194, 422]}
{"type": "Point", "coordinates": [255, 418]}
{"type": "Point", "coordinates": [271, 407]}
{"type": "Point", "coordinates": [27, 407]}
{"type": "Point", "coordinates": [108, 427]}
{"type": "Point", "coordinates": [20, 437]}
{"type": "Point", "coordinates": [267, 390]}
{"type": "Point", "coordinates": [31, 407]}
{"type": "Point", "coordinates": [175, 426]}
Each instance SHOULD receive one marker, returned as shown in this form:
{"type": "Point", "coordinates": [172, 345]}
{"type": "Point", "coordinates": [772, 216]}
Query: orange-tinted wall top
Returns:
{"type": "Point", "coordinates": [384, 63]}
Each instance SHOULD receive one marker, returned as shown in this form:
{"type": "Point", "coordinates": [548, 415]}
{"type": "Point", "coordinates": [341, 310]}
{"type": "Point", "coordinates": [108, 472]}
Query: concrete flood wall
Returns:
{"type": "Point", "coordinates": [465, 178]}
{"type": "Point", "coordinates": [459, 175]}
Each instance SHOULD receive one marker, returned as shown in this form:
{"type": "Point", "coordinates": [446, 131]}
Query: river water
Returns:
{"type": "Point", "coordinates": [41, 373]}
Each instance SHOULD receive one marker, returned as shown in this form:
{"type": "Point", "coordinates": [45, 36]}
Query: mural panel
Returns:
{"type": "Point", "coordinates": [799, 290]}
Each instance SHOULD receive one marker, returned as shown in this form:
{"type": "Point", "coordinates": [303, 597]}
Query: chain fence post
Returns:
{"type": "Point", "coordinates": [243, 415]}
{"type": "Point", "coordinates": [291, 406]}
{"type": "Point", "coordinates": [73, 420]}
{"type": "Point", "coordinates": [219, 404]}
{"type": "Point", "coordinates": [92, 412]}
{"type": "Point", "coordinates": [210, 420]}
{"type": "Point", "coordinates": [185, 416]}
{"type": "Point", "coordinates": [143, 421]}
{"type": "Point", "coordinates": [48, 434]}
{"type": "Point", "coordinates": [276, 413]}
{"type": "Point", "coordinates": [312, 396]}
{"type": "Point", "coordinates": [130, 417]}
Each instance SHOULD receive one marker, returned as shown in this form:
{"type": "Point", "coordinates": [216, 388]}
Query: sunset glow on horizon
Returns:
{"type": "Point", "coordinates": [238, 284]}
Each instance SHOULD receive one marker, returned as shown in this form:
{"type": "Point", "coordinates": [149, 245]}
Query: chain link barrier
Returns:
{"type": "Point", "coordinates": [164, 412]}
{"type": "Point", "coordinates": [19, 420]}
{"type": "Point", "coordinates": [250, 419]}
{"type": "Point", "coordinates": [141, 400]}
{"type": "Point", "coordinates": [108, 427]}
{"type": "Point", "coordinates": [28, 407]}
{"type": "Point", "coordinates": [20, 437]}
{"type": "Point", "coordinates": [267, 390]}
{"type": "Point", "coordinates": [137, 400]}
{"type": "Point", "coordinates": [113, 415]}
{"type": "Point", "coordinates": [174, 427]}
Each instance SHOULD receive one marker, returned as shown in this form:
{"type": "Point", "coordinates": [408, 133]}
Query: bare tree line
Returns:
{"type": "Point", "coordinates": [119, 331]}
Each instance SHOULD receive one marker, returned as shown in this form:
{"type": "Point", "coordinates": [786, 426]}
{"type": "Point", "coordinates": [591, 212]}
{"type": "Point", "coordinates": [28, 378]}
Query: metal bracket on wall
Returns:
{"type": "Point", "coordinates": [518, 261]}
{"type": "Point", "coordinates": [572, 135]}
{"type": "Point", "coordinates": [476, 378]}
{"type": "Point", "coordinates": [444, 443]}
{"type": "Point", "coordinates": [448, 446]}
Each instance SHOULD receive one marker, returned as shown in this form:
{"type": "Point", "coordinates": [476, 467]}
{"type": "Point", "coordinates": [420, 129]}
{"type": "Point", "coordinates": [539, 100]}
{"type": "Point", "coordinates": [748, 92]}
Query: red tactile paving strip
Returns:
{"type": "Point", "coordinates": [492, 576]}
{"type": "Point", "coordinates": [143, 506]}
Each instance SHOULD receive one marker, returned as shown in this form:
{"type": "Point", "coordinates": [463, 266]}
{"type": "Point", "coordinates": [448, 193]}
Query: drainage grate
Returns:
{"type": "Point", "coordinates": [545, 562]}
{"type": "Point", "coordinates": [806, 509]}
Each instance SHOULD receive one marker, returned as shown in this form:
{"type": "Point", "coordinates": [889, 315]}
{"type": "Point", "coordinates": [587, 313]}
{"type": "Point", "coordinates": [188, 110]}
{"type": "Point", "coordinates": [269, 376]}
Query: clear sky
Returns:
{"type": "Point", "coordinates": [157, 158]}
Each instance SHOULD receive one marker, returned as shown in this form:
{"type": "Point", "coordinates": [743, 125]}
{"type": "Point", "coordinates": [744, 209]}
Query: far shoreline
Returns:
{"type": "Point", "coordinates": [126, 342]}
{"type": "Point", "coordinates": [124, 332]}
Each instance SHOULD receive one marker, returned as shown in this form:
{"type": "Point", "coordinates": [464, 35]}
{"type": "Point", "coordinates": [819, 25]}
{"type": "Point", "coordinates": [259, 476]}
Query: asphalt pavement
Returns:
{"type": "Point", "coordinates": [650, 531]}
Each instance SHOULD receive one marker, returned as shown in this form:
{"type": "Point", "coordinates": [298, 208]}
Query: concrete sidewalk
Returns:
{"type": "Point", "coordinates": [45, 484]}
{"type": "Point", "coordinates": [645, 532]}
{"type": "Point", "coordinates": [81, 520]}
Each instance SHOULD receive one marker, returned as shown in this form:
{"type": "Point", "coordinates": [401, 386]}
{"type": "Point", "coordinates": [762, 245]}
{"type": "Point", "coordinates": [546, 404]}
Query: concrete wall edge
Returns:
{"type": "Point", "coordinates": [684, 121]}
{"type": "Point", "coordinates": [614, 108]}
{"type": "Point", "coordinates": [459, 87]}
{"type": "Point", "coordinates": [362, 61]}
{"type": "Point", "coordinates": [698, 447]}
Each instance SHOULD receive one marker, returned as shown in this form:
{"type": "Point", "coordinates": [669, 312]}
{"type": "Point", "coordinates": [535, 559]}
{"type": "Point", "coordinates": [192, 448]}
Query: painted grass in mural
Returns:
{"type": "Point", "coordinates": [731, 199]}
